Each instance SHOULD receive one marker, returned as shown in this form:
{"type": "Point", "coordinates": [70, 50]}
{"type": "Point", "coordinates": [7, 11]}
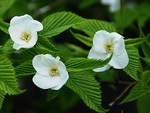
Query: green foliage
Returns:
{"type": "Point", "coordinates": [86, 40]}
{"type": "Point", "coordinates": [86, 3]}
{"type": "Point", "coordinates": [140, 89]}
{"type": "Point", "coordinates": [7, 48]}
{"type": "Point", "coordinates": [2, 96]}
{"type": "Point", "coordinates": [25, 69]}
{"type": "Point", "coordinates": [5, 5]}
{"type": "Point", "coordinates": [133, 66]}
{"type": "Point", "coordinates": [88, 88]}
{"type": "Point", "coordinates": [90, 27]}
{"type": "Point", "coordinates": [8, 82]}
{"type": "Point", "coordinates": [143, 104]}
{"type": "Point", "coordinates": [81, 64]}
{"type": "Point", "coordinates": [122, 19]}
{"type": "Point", "coordinates": [4, 26]}
{"type": "Point", "coordinates": [135, 42]}
{"type": "Point", "coordinates": [58, 22]}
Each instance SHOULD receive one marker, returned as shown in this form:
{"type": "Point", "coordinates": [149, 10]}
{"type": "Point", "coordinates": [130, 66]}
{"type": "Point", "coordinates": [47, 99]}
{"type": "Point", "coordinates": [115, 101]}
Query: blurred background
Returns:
{"type": "Point", "coordinates": [131, 14]}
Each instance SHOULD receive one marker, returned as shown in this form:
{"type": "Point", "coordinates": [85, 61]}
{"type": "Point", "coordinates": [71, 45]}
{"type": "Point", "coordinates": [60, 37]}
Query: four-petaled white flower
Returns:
{"type": "Point", "coordinates": [104, 45]}
{"type": "Point", "coordinates": [51, 73]}
{"type": "Point", "coordinates": [114, 4]}
{"type": "Point", "coordinates": [23, 31]}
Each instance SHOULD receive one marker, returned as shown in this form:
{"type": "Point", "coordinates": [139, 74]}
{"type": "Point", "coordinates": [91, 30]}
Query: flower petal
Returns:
{"type": "Point", "coordinates": [17, 20]}
{"type": "Point", "coordinates": [100, 38]}
{"type": "Point", "coordinates": [121, 61]}
{"type": "Point", "coordinates": [97, 55]}
{"type": "Point", "coordinates": [118, 41]}
{"type": "Point", "coordinates": [33, 40]}
{"type": "Point", "coordinates": [102, 69]}
{"type": "Point", "coordinates": [45, 82]}
{"type": "Point", "coordinates": [115, 6]}
{"type": "Point", "coordinates": [35, 25]}
{"type": "Point", "coordinates": [41, 64]}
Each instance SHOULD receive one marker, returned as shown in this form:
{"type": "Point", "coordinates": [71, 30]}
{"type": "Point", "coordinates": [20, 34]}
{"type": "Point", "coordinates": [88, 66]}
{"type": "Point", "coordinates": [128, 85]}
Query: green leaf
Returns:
{"type": "Point", "coordinates": [8, 82]}
{"type": "Point", "coordinates": [4, 26]}
{"type": "Point", "coordinates": [25, 69]}
{"type": "Point", "coordinates": [133, 66]}
{"type": "Point", "coordinates": [143, 103]}
{"type": "Point", "coordinates": [2, 96]}
{"type": "Point", "coordinates": [56, 23]}
{"type": "Point", "coordinates": [90, 27]}
{"type": "Point", "coordinates": [42, 41]}
{"type": "Point", "coordinates": [86, 40]}
{"type": "Point", "coordinates": [30, 53]}
{"type": "Point", "coordinates": [140, 89]}
{"type": "Point", "coordinates": [81, 64]}
{"type": "Point", "coordinates": [135, 42]}
{"type": "Point", "coordinates": [7, 48]}
{"type": "Point", "coordinates": [84, 84]}
{"type": "Point", "coordinates": [147, 60]}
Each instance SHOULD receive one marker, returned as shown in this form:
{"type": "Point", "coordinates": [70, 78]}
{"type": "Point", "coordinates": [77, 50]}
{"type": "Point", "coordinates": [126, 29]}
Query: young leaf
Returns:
{"type": "Point", "coordinates": [86, 40]}
{"type": "Point", "coordinates": [140, 89]}
{"type": "Point", "coordinates": [84, 84]}
{"type": "Point", "coordinates": [90, 27]}
{"type": "Point", "coordinates": [8, 82]}
{"type": "Point", "coordinates": [4, 26]}
{"type": "Point", "coordinates": [81, 64]}
{"type": "Point", "coordinates": [135, 42]}
{"type": "Point", "coordinates": [133, 66]}
{"type": "Point", "coordinates": [56, 23]}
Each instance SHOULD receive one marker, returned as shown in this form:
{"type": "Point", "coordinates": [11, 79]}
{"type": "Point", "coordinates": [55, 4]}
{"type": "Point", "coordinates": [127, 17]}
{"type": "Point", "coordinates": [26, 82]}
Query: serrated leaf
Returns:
{"type": "Point", "coordinates": [4, 26]}
{"type": "Point", "coordinates": [2, 97]}
{"type": "Point", "coordinates": [140, 89]}
{"type": "Point", "coordinates": [42, 41]}
{"type": "Point", "coordinates": [135, 41]}
{"type": "Point", "coordinates": [30, 53]}
{"type": "Point", "coordinates": [81, 64]}
{"type": "Point", "coordinates": [25, 69]}
{"type": "Point", "coordinates": [84, 84]}
{"type": "Point", "coordinates": [56, 23]}
{"type": "Point", "coordinates": [86, 40]}
{"type": "Point", "coordinates": [90, 27]}
{"type": "Point", "coordinates": [8, 82]}
{"type": "Point", "coordinates": [133, 66]}
{"type": "Point", "coordinates": [7, 48]}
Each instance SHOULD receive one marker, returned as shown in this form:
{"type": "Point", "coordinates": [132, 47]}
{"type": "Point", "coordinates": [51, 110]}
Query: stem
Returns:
{"type": "Point", "coordinates": [123, 92]}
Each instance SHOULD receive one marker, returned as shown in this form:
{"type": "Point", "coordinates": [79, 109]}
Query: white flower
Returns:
{"type": "Point", "coordinates": [23, 31]}
{"type": "Point", "coordinates": [104, 45]}
{"type": "Point", "coordinates": [114, 4]}
{"type": "Point", "coordinates": [50, 72]}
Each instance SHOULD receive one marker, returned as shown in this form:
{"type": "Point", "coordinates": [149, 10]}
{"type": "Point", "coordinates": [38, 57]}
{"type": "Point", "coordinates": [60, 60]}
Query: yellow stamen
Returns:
{"type": "Point", "coordinates": [54, 71]}
{"type": "Point", "coordinates": [26, 36]}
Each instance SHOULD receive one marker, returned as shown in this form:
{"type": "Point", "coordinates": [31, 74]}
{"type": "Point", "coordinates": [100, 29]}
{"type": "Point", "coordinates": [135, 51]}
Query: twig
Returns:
{"type": "Point", "coordinates": [123, 92]}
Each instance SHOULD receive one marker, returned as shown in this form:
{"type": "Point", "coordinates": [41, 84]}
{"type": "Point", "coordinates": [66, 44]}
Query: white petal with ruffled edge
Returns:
{"type": "Point", "coordinates": [102, 69]}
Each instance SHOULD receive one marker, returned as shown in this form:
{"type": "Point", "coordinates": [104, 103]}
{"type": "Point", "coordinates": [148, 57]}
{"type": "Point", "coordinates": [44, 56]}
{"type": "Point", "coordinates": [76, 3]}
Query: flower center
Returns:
{"type": "Point", "coordinates": [26, 36]}
{"type": "Point", "coordinates": [109, 47]}
{"type": "Point", "coordinates": [54, 71]}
